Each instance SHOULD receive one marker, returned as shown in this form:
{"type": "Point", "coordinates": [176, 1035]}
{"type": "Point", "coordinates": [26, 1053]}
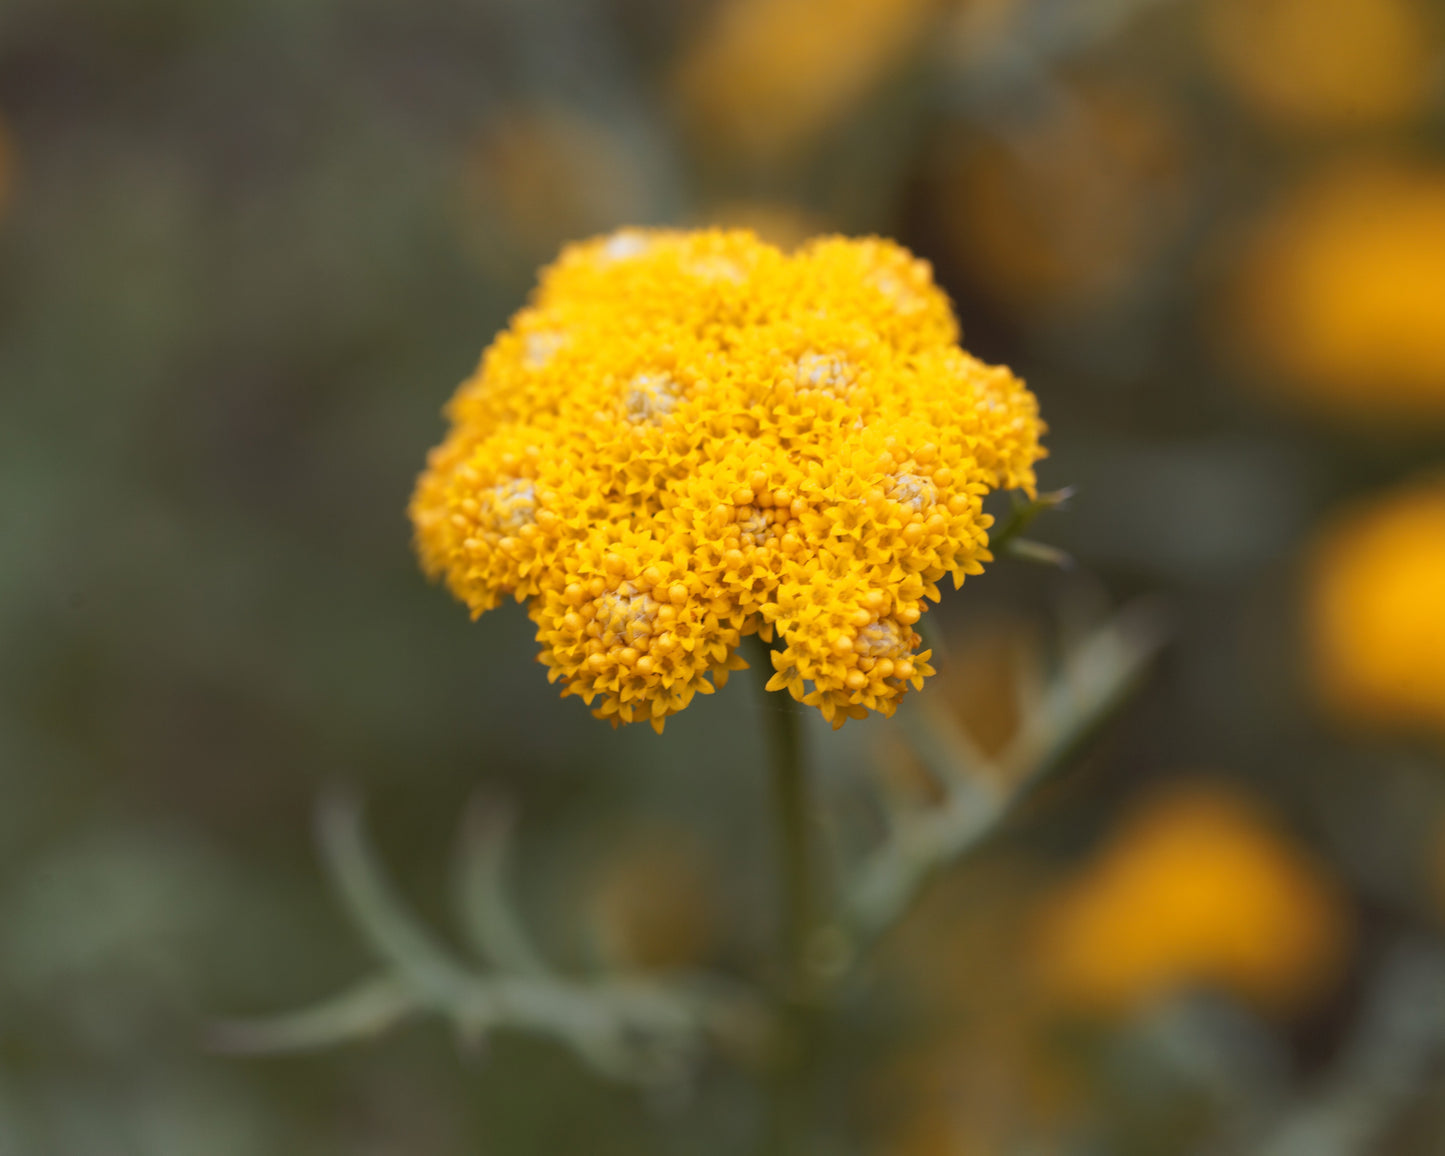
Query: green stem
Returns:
{"type": "Point", "coordinates": [788, 1129]}
{"type": "Point", "coordinates": [1022, 516]}
{"type": "Point", "coordinates": [790, 808]}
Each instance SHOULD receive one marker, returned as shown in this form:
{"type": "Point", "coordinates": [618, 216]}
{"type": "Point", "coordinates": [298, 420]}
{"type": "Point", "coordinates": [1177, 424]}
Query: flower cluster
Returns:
{"type": "Point", "coordinates": [1195, 888]}
{"type": "Point", "coordinates": [1337, 295]}
{"type": "Point", "coordinates": [1067, 207]}
{"type": "Point", "coordinates": [764, 79]}
{"type": "Point", "coordinates": [1324, 64]}
{"type": "Point", "coordinates": [1375, 614]}
{"type": "Point", "coordinates": [687, 438]}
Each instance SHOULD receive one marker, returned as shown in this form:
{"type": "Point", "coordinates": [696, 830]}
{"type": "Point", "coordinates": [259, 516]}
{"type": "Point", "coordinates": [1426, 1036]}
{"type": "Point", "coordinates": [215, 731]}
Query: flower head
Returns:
{"type": "Point", "coordinates": [1375, 615]}
{"type": "Point", "coordinates": [1195, 888]}
{"type": "Point", "coordinates": [1324, 63]}
{"type": "Point", "coordinates": [1067, 209]}
{"type": "Point", "coordinates": [766, 77]}
{"type": "Point", "coordinates": [687, 438]}
{"type": "Point", "coordinates": [653, 903]}
{"type": "Point", "coordinates": [1337, 295]}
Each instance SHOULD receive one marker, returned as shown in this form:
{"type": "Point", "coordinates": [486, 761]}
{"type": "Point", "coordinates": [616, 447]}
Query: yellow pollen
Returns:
{"type": "Point", "coordinates": [826, 373]}
{"type": "Point", "coordinates": [650, 398]}
{"type": "Point", "coordinates": [540, 348]}
{"type": "Point", "coordinates": [913, 491]}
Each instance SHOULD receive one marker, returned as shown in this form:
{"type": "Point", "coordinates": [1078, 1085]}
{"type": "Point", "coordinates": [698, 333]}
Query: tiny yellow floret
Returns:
{"type": "Point", "coordinates": [687, 438]}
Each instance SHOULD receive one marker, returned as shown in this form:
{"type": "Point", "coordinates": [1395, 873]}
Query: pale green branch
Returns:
{"type": "Point", "coordinates": [411, 951]}
{"type": "Point", "coordinates": [1041, 553]}
{"type": "Point", "coordinates": [366, 1010]}
{"type": "Point", "coordinates": [1022, 515]}
{"type": "Point", "coordinates": [1094, 680]}
{"type": "Point", "coordinates": [1384, 1070]}
{"type": "Point", "coordinates": [484, 913]}
{"type": "Point", "coordinates": [626, 1027]}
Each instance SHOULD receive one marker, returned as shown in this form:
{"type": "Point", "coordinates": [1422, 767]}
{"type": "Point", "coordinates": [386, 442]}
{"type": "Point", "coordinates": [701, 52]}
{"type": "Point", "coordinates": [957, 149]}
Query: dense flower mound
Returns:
{"type": "Point", "coordinates": [687, 438]}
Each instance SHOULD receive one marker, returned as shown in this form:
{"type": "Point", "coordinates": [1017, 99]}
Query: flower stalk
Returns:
{"type": "Point", "coordinates": [790, 795]}
{"type": "Point", "coordinates": [653, 1030]}
{"type": "Point", "coordinates": [797, 997]}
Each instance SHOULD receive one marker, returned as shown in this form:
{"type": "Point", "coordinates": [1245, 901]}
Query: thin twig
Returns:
{"type": "Point", "coordinates": [484, 913]}
{"type": "Point", "coordinates": [1023, 514]}
{"type": "Point", "coordinates": [795, 999]}
{"type": "Point", "coordinates": [1384, 1070]}
{"type": "Point", "coordinates": [629, 1028]}
{"type": "Point", "coordinates": [399, 941]}
{"type": "Point", "coordinates": [1096, 678]}
{"type": "Point", "coordinates": [369, 1009]}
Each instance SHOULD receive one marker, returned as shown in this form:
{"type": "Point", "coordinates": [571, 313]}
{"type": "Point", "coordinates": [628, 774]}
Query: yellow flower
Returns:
{"type": "Point", "coordinates": [1195, 888]}
{"type": "Point", "coordinates": [654, 903]}
{"type": "Point", "coordinates": [1325, 63]}
{"type": "Point", "coordinates": [1067, 208]}
{"type": "Point", "coordinates": [534, 176]}
{"type": "Point", "coordinates": [691, 437]}
{"type": "Point", "coordinates": [766, 76]}
{"type": "Point", "coordinates": [1376, 611]}
{"type": "Point", "coordinates": [1340, 294]}
{"type": "Point", "coordinates": [978, 1072]}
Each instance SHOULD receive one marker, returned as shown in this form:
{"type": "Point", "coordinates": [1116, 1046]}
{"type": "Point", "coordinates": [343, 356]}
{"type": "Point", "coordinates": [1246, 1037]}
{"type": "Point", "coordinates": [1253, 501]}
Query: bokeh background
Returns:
{"type": "Point", "coordinates": [249, 247]}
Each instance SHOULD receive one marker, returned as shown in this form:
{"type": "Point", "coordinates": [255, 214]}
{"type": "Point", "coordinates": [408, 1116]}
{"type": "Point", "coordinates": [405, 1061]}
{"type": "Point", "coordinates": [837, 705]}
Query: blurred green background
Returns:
{"type": "Point", "coordinates": [247, 250]}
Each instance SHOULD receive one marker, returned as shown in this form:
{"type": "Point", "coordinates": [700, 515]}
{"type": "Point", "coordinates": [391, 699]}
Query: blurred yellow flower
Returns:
{"type": "Point", "coordinates": [1325, 62]}
{"type": "Point", "coordinates": [991, 667]}
{"type": "Point", "coordinates": [981, 1076]}
{"type": "Point", "coordinates": [1068, 206]}
{"type": "Point", "coordinates": [1339, 293]}
{"type": "Point", "coordinates": [692, 437]}
{"type": "Point", "coordinates": [535, 176]}
{"type": "Point", "coordinates": [653, 906]}
{"type": "Point", "coordinates": [969, 1098]}
{"type": "Point", "coordinates": [766, 76]}
{"type": "Point", "coordinates": [1376, 611]}
{"type": "Point", "coordinates": [986, 675]}
{"type": "Point", "coordinates": [1195, 888]}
